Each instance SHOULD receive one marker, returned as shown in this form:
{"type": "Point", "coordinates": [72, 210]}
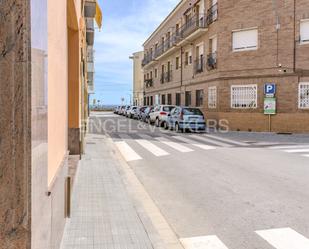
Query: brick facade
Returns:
{"type": "Point", "coordinates": [279, 58]}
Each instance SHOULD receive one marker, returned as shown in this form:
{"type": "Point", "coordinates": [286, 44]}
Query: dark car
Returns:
{"type": "Point", "coordinates": [139, 112]}
{"type": "Point", "coordinates": [145, 114]}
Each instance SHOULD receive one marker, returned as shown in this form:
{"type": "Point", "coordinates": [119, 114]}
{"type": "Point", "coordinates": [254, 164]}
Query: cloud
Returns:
{"type": "Point", "coordinates": [126, 26]}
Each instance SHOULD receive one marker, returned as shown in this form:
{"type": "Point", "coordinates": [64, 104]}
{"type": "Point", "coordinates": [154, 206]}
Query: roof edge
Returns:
{"type": "Point", "coordinates": [165, 21]}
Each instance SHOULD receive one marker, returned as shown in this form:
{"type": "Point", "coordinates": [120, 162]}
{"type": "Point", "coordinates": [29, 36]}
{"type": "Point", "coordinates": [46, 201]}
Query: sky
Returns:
{"type": "Point", "coordinates": [126, 26]}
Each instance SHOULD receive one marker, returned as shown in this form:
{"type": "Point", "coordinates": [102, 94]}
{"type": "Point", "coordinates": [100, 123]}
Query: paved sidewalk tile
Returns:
{"type": "Point", "coordinates": [103, 215]}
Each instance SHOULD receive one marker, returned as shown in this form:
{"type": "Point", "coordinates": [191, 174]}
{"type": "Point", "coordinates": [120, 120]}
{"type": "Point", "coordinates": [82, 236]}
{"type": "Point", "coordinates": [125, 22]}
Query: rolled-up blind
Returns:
{"type": "Point", "coordinates": [245, 39]}
{"type": "Point", "coordinates": [304, 31]}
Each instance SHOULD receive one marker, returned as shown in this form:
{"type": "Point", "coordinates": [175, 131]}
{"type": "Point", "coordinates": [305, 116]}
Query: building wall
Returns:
{"type": "Point", "coordinates": [138, 78]}
{"type": "Point", "coordinates": [15, 125]}
{"type": "Point", "coordinates": [57, 86]}
{"type": "Point", "coordinates": [274, 61]}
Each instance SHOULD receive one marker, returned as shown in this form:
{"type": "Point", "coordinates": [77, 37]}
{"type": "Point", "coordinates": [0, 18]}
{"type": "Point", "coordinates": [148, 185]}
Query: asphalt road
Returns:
{"type": "Point", "coordinates": [220, 191]}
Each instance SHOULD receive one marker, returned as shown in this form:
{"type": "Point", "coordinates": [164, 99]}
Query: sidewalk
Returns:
{"type": "Point", "coordinates": [110, 208]}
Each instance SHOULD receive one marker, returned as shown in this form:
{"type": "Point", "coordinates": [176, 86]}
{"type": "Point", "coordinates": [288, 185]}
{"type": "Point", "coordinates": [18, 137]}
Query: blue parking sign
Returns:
{"type": "Point", "coordinates": [270, 89]}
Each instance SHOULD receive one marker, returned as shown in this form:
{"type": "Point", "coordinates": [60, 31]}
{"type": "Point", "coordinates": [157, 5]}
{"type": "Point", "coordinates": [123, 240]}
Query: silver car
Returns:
{"type": "Point", "coordinates": [159, 114]}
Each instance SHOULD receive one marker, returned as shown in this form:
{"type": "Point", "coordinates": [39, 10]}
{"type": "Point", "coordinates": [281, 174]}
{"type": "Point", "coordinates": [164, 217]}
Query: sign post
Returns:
{"type": "Point", "coordinates": [270, 102]}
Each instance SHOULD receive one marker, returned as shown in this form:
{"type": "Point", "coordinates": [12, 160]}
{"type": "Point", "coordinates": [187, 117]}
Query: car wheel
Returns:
{"type": "Point", "coordinates": [157, 122]}
{"type": "Point", "coordinates": [177, 128]}
{"type": "Point", "coordinates": [165, 125]}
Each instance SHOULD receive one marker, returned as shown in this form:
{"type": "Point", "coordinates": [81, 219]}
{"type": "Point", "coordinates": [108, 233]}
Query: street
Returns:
{"type": "Point", "coordinates": [217, 190]}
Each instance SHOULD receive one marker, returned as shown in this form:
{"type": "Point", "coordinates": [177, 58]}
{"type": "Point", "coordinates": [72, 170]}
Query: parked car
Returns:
{"type": "Point", "coordinates": [145, 113]}
{"type": "Point", "coordinates": [159, 114]}
{"type": "Point", "coordinates": [131, 112]}
{"type": "Point", "coordinates": [121, 110]}
{"type": "Point", "coordinates": [139, 111]}
{"type": "Point", "coordinates": [117, 109]}
{"type": "Point", "coordinates": [186, 118]}
{"type": "Point", "coordinates": [127, 108]}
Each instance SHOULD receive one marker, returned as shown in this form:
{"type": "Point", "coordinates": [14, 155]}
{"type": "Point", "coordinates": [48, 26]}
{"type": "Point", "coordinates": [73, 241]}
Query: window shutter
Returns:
{"type": "Point", "coordinates": [304, 31]}
{"type": "Point", "coordinates": [245, 40]}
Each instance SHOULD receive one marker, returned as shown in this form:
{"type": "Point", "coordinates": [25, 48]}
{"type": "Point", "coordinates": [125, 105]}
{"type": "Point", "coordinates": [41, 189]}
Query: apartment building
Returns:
{"type": "Point", "coordinates": [138, 78]}
{"type": "Point", "coordinates": [220, 55]}
{"type": "Point", "coordinates": [43, 105]}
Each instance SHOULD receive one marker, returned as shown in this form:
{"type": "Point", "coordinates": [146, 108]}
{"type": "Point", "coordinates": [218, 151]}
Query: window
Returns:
{"type": "Point", "coordinates": [304, 31]}
{"type": "Point", "coordinates": [212, 97]}
{"type": "Point", "coordinates": [199, 97]}
{"type": "Point", "coordinates": [178, 99]}
{"type": "Point", "coordinates": [156, 73]}
{"type": "Point", "coordinates": [303, 97]}
{"type": "Point", "coordinates": [148, 100]}
{"type": "Point", "coordinates": [151, 100]}
{"type": "Point", "coordinates": [169, 99]}
{"type": "Point", "coordinates": [145, 101]}
{"type": "Point", "coordinates": [163, 99]}
{"type": "Point", "coordinates": [150, 74]}
{"type": "Point", "coordinates": [244, 96]}
{"type": "Point", "coordinates": [245, 40]}
{"type": "Point", "coordinates": [187, 58]}
{"type": "Point", "coordinates": [177, 63]}
{"type": "Point", "coordinates": [190, 58]}
{"type": "Point", "coordinates": [188, 98]}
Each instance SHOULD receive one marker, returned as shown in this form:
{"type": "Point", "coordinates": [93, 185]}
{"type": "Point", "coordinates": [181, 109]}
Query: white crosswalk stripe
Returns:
{"type": "Point", "coordinates": [177, 146]}
{"type": "Point", "coordinates": [288, 147]}
{"type": "Point", "coordinates": [227, 140]}
{"type": "Point", "coordinates": [284, 238]}
{"type": "Point", "coordinates": [203, 242]}
{"type": "Point", "coordinates": [127, 152]}
{"type": "Point", "coordinates": [211, 141]}
{"type": "Point", "coordinates": [297, 150]}
{"type": "Point", "coordinates": [154, 149]}
{"type": "Point", "coordinates": [194, 143]}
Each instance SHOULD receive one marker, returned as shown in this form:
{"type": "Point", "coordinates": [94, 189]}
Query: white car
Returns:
{"type": "Point", "coordinates": [131, 112]}
{"type": "Point", "coordinates": [159, 114]}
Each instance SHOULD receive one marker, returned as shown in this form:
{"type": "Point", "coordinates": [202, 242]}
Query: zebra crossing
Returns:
{"type": "Point", "coordinates": [164, 145]}
{"type": "Point", "coordinates": [281, 238]}
{"type": "Point", "coordinates": [302, 150]}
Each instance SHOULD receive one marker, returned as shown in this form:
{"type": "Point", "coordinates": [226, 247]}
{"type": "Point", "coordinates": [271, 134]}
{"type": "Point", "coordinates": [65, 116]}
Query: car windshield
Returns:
{"type": "Point", "coordinates": [168, 108]}
{"type": "Point", "coordinates": [192, 111]}
{"type": "Point", "coordinates": [134, 108]}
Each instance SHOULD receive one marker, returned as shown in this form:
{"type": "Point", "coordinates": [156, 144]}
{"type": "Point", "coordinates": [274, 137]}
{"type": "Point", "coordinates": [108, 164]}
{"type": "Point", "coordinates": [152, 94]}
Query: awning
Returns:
{"type": "Point", "coordinates": [98, 15]}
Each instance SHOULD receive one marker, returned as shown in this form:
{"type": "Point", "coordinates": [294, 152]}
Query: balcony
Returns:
{"type": "Point", "coordinates": [90, 8]}
{"type": "Point", "coordinates": [212, 14]}
{"type": "Point", "coordinates": [166, 77]}
{"type": "Point", "coordinates": [149, 83]}
{"type": "Point", "coordinates": [191, 30]}
{"type": "Point", "coordinates": [212, 61]}
{"type": "Point", "coordinates": [90, 54]}
{"type": "Point", "coordinates": [199, 65]}
{"type": "Point", "coordinates": [90, 31]}
{"type": "Point", "coordinates": [90, 67]}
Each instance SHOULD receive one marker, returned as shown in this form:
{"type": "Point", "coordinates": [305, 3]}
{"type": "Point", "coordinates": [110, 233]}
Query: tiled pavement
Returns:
{"type": "Point", "coordinates": [104, 214]}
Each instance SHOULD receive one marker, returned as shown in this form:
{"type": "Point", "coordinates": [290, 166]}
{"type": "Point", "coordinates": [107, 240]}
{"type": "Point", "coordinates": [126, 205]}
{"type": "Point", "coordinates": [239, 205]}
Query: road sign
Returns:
{"type": "Point", "coordinates": [270, 107]}
{"type": "Point", "coordinates": [270, 89]}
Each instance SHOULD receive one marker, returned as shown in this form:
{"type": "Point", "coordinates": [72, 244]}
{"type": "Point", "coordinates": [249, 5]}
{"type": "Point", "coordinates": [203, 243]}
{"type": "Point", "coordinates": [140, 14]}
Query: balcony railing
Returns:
{"type": "Point", "coordinates": [196, 22]}
{"type": "Point", "coordinates": [212, 61]}
{"type": "Point", "coordinates": [166, 77]}
{"type": "Point", "coordinates": [149, 83]}
{"type": "Point", "coordinates": [212, 14]}
{"type": "Point", "coordinates": [199, 65]}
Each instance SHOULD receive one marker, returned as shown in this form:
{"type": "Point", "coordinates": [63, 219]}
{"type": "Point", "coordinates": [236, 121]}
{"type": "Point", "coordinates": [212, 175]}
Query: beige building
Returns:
{"type": "Point", "coordinates": [44, 84]}
{"type": "Point", "coordinates": [219, 55]}
{"type": "Point", "coordinates": [138, 78]}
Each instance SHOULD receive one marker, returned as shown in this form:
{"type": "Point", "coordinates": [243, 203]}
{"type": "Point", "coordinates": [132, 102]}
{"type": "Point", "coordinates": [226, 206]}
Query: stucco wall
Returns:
{"type": "Point", "coordinates": [57, 85]}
